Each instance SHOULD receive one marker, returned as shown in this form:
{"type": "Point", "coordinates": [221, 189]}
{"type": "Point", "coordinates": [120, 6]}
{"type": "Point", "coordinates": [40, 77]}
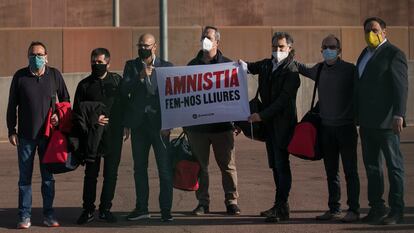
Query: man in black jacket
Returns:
{"type": "Point", "coordinates": [382, 89]}
{"type": "Point", "coordinates": [219, 135]}
{"type": "Point", "coordinates": [278, 85]}
{"type": "Point", "coordinates": [30, 100]}
{"type": "Point", "coordinates": [101, 88]}
{"type": "Point", "coordinates": [140, 90]}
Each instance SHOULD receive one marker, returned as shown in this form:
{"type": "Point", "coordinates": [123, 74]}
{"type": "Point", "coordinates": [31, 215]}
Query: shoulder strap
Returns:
{"type": "Point", "coordinates": [52, 88]}
{"type": "Point", "coordinates": [318, 74]}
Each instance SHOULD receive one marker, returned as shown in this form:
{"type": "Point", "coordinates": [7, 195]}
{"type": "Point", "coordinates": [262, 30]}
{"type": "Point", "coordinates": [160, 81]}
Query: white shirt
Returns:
{"type": "Point", "coordinates": [367, 56]}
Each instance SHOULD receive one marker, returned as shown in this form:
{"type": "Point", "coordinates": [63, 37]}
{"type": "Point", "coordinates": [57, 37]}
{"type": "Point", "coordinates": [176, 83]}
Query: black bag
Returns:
{"type": "Point", "coordinates": [305, 140]}
{"type": "Point", "coordinates": [256, 130]}
{"type": "Point", "coordinates": [186, 167]}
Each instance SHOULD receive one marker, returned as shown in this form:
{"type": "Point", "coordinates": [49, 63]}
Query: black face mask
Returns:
{"type": "Point", "coordinates": [144, 53]}
{"type": "Point", "coordinates": [98, 69]}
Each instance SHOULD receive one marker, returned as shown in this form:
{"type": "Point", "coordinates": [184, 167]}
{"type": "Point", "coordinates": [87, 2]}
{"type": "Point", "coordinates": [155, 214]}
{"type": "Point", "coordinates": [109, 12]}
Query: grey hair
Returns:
{"type": "Point", "coordinates": [217, 33]}
{"type": "Point", "coordinates": [280, 35]}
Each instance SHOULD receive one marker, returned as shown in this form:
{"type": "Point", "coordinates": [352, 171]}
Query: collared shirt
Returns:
{"type": "Point", "coordinates": [367, 56]}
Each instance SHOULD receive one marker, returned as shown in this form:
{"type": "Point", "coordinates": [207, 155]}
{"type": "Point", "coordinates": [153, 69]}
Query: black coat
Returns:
{"type": "Point", "coordinates": [278, 92]}
{"type": "Point", "coordinates": [136, 97]}
{"type": "Point", "coordinates": [382, 88]}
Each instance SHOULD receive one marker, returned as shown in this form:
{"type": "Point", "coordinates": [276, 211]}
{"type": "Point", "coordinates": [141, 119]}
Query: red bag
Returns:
{"type": "Point", "coordinates": [304, 143]}
{"type": "Point", "coordinates": [186, 175]}
{"type": "Point", "coordinates": [57, 159]}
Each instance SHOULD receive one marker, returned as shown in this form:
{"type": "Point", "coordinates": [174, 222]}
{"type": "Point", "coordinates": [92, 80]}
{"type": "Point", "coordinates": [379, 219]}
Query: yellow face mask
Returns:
{"type": "Point", "coordinates": [373, 40]}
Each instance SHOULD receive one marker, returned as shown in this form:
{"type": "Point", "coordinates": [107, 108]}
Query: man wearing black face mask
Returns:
{"type": "Point", "coordinates": [139, 88]}
{"type": "Point", "coordinates": [101, 87]}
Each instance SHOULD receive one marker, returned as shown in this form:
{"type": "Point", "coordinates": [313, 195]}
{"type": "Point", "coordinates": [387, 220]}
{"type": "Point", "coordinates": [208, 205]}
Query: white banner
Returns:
{"type": "Point", "coordinates": [194, 95]}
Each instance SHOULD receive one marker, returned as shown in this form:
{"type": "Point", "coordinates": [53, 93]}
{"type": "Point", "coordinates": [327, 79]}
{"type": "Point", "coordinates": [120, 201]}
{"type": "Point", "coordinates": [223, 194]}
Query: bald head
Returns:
{"type": "Point", "coordinates": [331, 40]}
{"type": "Point", "coordinates": [146, 37]}
{"type": "Point", "coordinates": [147, 46]}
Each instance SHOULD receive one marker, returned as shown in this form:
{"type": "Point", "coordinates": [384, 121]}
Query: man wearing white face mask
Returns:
{"type": "Point", "coordinates": [338, 130]}
{"type": "Point", "coordinates": [278, 85]}
{"type": "Point", "coordinates": [218, 135]}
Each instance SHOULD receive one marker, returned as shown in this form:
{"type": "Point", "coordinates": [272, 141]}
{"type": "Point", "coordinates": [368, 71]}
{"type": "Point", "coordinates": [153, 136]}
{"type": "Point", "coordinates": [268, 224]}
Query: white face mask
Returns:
{"type": "Point", "coordinates": [206, 44]}
{"type": "Point", "coordinates": [279, 55]}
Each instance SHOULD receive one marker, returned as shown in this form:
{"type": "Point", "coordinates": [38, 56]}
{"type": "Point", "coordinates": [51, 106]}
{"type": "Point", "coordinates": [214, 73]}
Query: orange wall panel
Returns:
{"type": "Point", "coordinates": [394, 13]}
{"type": "Point", "coordinates": [15, 13]}
{"type": "Point", "coordinates": [91, 13]}
{"type": "Point", "coordinates": [411, 43]}
{"type": "Point", "coordinates": [78, 44]}
{"type": "Point", "coordinates": [246, 43]}
{"type": "Point", "coordinates": [48, 13]}
{"type": "Point", "coordinates": [139, 13]}
{"type": "Point", "coordinates": [17, 41]}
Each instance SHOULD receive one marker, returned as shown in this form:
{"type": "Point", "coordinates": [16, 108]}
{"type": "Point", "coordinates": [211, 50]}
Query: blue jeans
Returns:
{"type": "Point", "coordinates": [26, 151]}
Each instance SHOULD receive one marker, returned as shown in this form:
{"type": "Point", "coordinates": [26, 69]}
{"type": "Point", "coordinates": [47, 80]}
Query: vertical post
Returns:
{"type": "Point", "coordinates": [164, 29]}
{"type": "Point", "coordinates": [115, 13]}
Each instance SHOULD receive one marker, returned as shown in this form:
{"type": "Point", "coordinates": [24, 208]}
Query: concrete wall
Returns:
{"type": "Point", "coordinates": [69, 48]}
{"type": "Point", "coordinates": [92, 13]}
{"type": "Point", "coordinates": [303, 98]}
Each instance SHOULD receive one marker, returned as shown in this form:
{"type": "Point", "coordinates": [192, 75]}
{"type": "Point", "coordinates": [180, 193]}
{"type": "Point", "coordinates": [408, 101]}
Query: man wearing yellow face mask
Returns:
{"type": "Point", "coordinates": [381, 100]}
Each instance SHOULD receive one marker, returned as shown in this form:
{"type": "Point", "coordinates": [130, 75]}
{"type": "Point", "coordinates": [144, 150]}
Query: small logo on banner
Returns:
{"type": "Point", "coordinates": [195, 116]}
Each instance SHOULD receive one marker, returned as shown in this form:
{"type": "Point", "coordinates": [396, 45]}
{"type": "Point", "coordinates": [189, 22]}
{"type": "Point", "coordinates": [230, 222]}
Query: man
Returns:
{"type": "Point", "coordinates": [381, 101]}
{"type": "Point", "coordinates": [278, 85]}
{"type": "Point", "coordinates": [30, 92]}
{"type": "Point", "coordinates": [144, 122]}
{"type": "Point", "coordinates": [338, 131]}
{"type": "Point", "coordinates": [218, 135]}
{"type": "Point", "coordinates": [101, 86]}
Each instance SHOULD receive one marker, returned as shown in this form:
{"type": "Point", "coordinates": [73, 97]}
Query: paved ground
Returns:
{"type": "Point", "coordinates": [308, 197]}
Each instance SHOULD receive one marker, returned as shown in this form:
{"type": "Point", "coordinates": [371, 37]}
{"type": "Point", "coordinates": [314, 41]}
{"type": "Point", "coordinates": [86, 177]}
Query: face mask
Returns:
{"type": "Point", "coordinates": [279, 55]}
{"type": "Point", "coordinates": [373, 40]}
{"type": "Point", "coordinates": [37, 62]}
{"type": "Point", "coordinates": [206, 44]}
{"type": "Point", "coordinates": [98, 70]}
{"type": "Point", "coordinates": [144, 53]}
{"type": "Point", "coordinates": [329, 54]}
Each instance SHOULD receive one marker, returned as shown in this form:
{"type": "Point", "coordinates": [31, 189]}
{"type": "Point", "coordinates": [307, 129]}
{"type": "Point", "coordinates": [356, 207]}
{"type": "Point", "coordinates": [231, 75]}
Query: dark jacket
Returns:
{"type": "Point", "coordinates": [214, 127]}
{"type": "Point", "coordinates": [382, 88]}
{"type": "Point", "coordinates": [278, 92]}
{"type": "Point", "coordinates": [136, 96]}
{"type": "Point", "coordinates": [30, 98]}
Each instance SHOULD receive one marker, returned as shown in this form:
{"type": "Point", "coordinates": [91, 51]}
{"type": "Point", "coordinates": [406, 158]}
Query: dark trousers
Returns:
{"type": "Point", "coordinates": [110, 174]}
{"type": "Point", "coordinates": [142, 138]}
{"type": "Point", "coordinates": [341, 140]}
{"type": "Point", "coordinates": [376, 145]}
{"type": "Point", "coordinates": [279, 163]}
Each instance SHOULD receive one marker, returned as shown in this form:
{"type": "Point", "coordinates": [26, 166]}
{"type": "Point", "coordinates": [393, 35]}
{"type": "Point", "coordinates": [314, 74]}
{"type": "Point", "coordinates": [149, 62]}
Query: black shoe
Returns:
{"type": "Point", "coordinates": [201, 209]}
{"type": "Point", "coordinates": [268, 212]}
{"type": "Point", "coordinates": [374, 215]}
{"type": "Point", "coordinates": [392, 219]}
{"type": "Point", "coordinates": [166, 217]}
{"type": "Point", "coordinates": [281, 212]}
{"type": "Point", "coordinates": [233, 209]}
{"type": "Point", "coordinates": [86, 217]}
{"type": "Point", "coordinates": [107, 216]}
{"type": "Point", "coordinates": [137, 215]}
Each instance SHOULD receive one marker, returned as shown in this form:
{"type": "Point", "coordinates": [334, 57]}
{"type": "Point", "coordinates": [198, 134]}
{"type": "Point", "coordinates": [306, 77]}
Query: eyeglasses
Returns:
{"type": "Point", "coordinates": [145, 46]}
{"type": "Point", "coordinates": [329, 47]}
{"type": "Point", "coordinates": [37, 54]}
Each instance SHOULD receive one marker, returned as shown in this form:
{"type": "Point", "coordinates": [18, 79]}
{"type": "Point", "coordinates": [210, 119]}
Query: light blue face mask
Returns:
{"type": "Point", "coordinates": [37, 62]}
{"type": "Point", "coordinates": [329, 54]}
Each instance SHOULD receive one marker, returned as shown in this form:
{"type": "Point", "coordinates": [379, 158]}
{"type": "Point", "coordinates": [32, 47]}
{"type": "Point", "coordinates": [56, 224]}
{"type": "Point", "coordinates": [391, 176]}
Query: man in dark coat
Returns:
{"type": "Point", "coordinates": [381, 99]}
{"type": "Point", "coordinates": [278, 85]}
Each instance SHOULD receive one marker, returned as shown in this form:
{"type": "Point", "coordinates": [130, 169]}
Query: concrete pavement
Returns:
{"type": "Point", "coordinates": [308, 197]}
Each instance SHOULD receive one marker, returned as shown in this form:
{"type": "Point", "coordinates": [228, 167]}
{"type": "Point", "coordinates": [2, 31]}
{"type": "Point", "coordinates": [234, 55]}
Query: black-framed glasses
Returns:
{"type": "Point", "coordinates": [37, 54]}
{"type": "Point", "coordinates": [145, 46]}
{"type": "Point", "coordinates": [329, 47]}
